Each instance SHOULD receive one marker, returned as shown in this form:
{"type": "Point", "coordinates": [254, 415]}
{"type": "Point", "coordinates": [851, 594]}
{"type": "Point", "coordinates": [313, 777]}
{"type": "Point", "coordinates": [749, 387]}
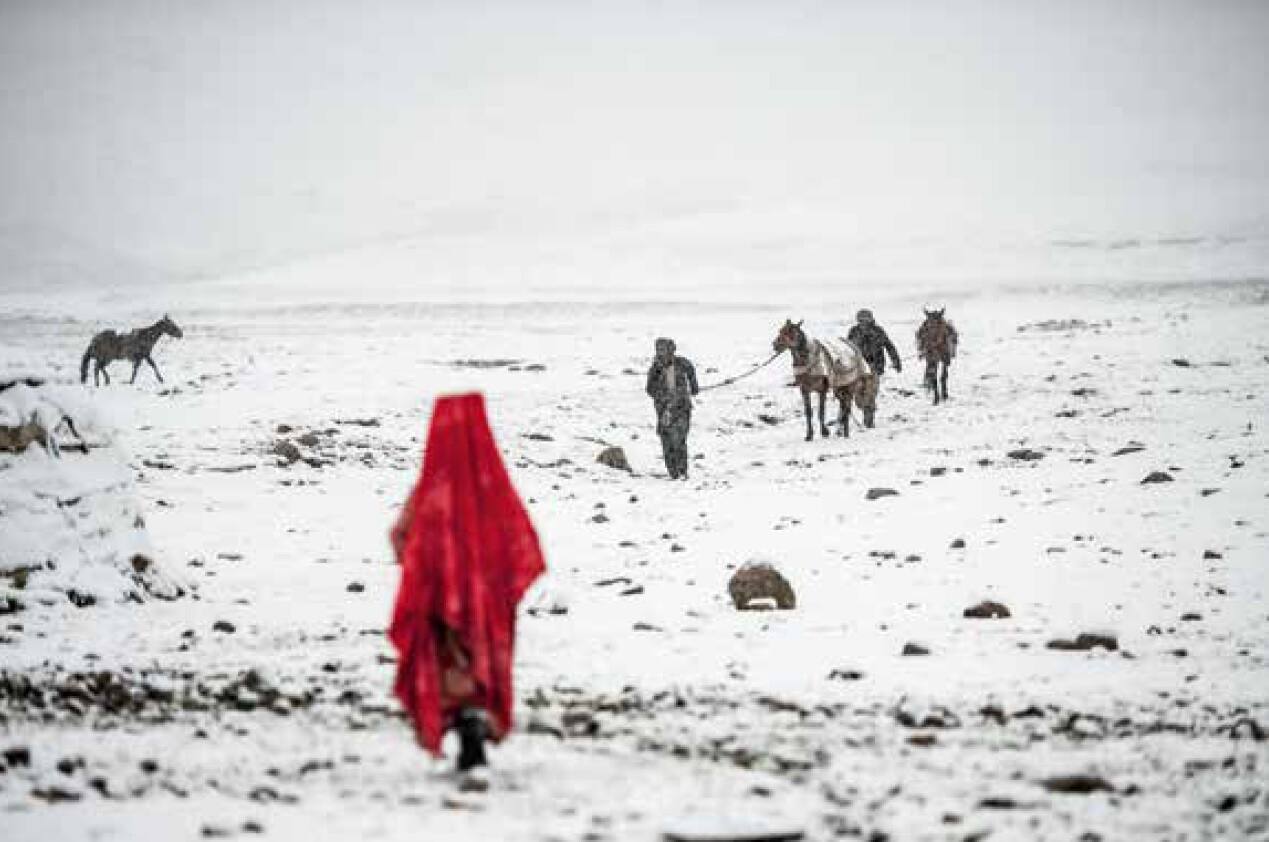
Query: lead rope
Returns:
{"type": "Point", "coordinates": [752, 371]}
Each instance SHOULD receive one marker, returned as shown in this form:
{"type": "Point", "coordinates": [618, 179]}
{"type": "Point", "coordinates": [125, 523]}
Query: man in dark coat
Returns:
{"type": "Point", "coordinates": [671, 385]}
{"type": "Point", "coordinates": [874, 344]}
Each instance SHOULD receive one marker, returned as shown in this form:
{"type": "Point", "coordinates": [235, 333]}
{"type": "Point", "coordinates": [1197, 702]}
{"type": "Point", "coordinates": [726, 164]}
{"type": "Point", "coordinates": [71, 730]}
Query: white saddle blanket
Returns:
{"type": "Point", "coordinates": [838, 360]}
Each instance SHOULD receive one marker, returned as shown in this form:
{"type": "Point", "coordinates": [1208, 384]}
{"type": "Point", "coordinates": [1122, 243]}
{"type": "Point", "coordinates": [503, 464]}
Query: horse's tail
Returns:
{"type": "Point", "coordinates": [83, 366]}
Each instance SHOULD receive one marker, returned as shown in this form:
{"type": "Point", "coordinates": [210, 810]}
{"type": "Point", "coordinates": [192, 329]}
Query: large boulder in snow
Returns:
{"type": "Point", "coordinates": [758, 585]}
{"type": "Point", "coordinates": [71, 527]}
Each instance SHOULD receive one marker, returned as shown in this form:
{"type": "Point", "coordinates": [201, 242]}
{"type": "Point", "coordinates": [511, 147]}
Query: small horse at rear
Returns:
{"type": "Point", "coordinates": [135, 345]}
{"type": "Point", "coordinates": [819, 368]}
{"type": "Point", "coordinates": [936, 344]}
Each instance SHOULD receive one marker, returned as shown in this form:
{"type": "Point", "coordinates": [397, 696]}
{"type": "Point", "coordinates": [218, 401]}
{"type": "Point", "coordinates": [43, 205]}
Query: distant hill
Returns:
{"type": "Point", "coordinates": [35, 257]}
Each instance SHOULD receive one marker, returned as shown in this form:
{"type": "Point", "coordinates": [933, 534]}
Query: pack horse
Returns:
{"type": "Point", "coordinates": [820, 367]}
{"type": "Point", "coordinates": [936, 343]}
{"type": "Point", "coordinates": [136, 345]}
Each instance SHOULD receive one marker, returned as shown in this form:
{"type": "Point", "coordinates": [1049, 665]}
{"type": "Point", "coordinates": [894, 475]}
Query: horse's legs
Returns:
{"type": "Point", "coordinates": [843, 418]}
{"type": "Point", "coordinates": [931, 378]}
{"type": "Point", "coordinates": [136, 365]}
{"type": "Point", "coordinates": [823, 406]}
{"type": "Point", "coordinates": [151, 360]}
{"type": "Point", "coordinates": [101, 366]}
{"type": "Point", "coordinates": [943, 378]}
{"type": "Point", "coordinates": [806, 407]}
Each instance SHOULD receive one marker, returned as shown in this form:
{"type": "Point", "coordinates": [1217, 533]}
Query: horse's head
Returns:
{"type": "Point", "coordinates": [169, 327]}
{"type": "Point", "coordinates": [789, 338]}
{"type": "Point", "coordinates": [934, 315]}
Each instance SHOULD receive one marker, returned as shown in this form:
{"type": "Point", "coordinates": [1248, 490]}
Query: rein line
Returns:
{"type": "Point", "coordinates": [751, 371]}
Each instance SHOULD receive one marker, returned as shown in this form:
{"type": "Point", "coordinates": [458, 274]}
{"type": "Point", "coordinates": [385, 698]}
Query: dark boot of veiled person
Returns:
{"type": "Point", "coordinates": [471, 739]}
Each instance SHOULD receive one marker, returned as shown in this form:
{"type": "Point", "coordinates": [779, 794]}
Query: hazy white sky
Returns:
{"type": "Point", "coordinates": [202, 137]}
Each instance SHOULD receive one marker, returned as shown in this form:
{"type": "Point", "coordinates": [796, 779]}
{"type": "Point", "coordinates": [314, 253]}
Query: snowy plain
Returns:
{"type": "Point", "coordinates": [646, 699]}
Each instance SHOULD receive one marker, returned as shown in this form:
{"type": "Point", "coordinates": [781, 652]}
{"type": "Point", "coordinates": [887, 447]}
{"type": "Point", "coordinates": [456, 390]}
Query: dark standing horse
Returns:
{"type": "Point", "coordinates": [816, 370]}
{"type": "Point", "coordinates": [136, 345]}
{"type": "Point", "coordinates": [936, 343]}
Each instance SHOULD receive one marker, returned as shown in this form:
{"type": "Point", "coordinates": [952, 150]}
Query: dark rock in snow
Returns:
{"type": "Point", "coordinates": [756, 582]}
{"type": "Point", "coordinates": [1181, 362]}
{"type": "Point", "coordinates": [1157, 476]}
{"type": "Point", "coordinates": [845, 675]}
{"type": "Point", "coordinates": [1076, 784]}
{"type": "Point", "coordinates": [287, 452]}
{"type": "Point", "coordinates": [614, 457]}
{"type": "Point", "coordinates": [355, 587]}
{"type": "Point", "coordinates": [1084, 643]}
{"type": "Point", "coordinates": [1209, 555]}
{"type": "Point", "coordinates": [16, 756]}
{"type": "Point", "coordinates": [224, 626]}
{"type": "Point", "coordinates": [878, 493]}
{"type": "Point", "coordinates": [958, 544]}
{"type": "Point", "coordinates": [987, 610]}
{"type": "Point", "coordinates": [1129, 448]}
{"type": "Point", "coordinates": [915, 649]}
{"type": "Point", "coordinates": [1191, 617]}
{"type": "Point", "coordinates": [1025, 454]}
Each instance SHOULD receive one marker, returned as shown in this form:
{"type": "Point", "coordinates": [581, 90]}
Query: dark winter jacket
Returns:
{"type": "Point", "coordinates": [873, 343]}
{"type": "Point", "coordinates": [673, 394]}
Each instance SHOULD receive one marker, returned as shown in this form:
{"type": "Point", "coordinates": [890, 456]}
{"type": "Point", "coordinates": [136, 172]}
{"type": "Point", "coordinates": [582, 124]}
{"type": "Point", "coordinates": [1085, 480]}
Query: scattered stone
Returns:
{"type": "Point", "coordinates": [1191, 617]}
{"type": "Point", "coordinates": [997, 803]}
{"type": "Point", "coordinates": [878, 493]}
{"type": "Point", "coordinates": [757, 580]}
{"type": "Point", "coordinates": [632, 591]}
{"type": "Point", "coordinates": [355, 587]}
{"type": "Point", "coordinates": [80, 599]}
{"type": "Point", "coordinates": [923, 740]}
{"type": "Point", "coordinates": [1181, 362]}
{"type": "Point", "coordinates": [1157, 476]}
{"type": "Point", "coordinates": [913, 649]}
{"type": "Point", "coordinates": [1025, 455]}
{"type": "Point", "coordinates": [1076, 784]}
{"type": "Point", "coordinates": [958, 544]}
{"type": "Point", "coordinates": [1210, 555]}
{"type": "Point", "coordinates": [769, 420]}
{"type": "Point", "coordinates": [538, 437]}
{"type": "Point", "coordinates": [54, 794]}
{"type": "Point", "coordinates": [1129, 448]}
{"type": "Point", "coordinates": [1208, 492]}
{"type": "Point", "coordinates": [17, 756]}
{"type": "Point", "coordinates": [287, 452]}
{"type": "Point", "coordinates": [358, 422]}
{"type": "Point", "coordinates": [599, 517]}
{"type": "Point", "coordinates": [845, 675]}
{"type": "Point", "coordinates": [615, 458]}
{"type": "Point", "coordinates": [987, 610]}
{"type": "Point", "coordinates": [1085, 642]}
{"type": "Point", "coordinates": [224, 626]}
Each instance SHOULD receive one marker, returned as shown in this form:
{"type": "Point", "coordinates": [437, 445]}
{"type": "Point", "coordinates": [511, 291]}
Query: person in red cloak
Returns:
{"type": "Point", "coordinates": [468, 552]}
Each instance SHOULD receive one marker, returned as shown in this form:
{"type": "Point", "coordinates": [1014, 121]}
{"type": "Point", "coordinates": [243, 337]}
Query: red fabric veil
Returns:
{"type": "Point", "coordinates": [467, 552]}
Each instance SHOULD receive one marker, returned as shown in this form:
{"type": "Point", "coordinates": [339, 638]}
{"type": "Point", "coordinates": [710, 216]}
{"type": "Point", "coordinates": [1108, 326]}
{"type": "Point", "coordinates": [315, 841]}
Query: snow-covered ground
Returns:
{"type": "Point", "coordinates": [260, 704]}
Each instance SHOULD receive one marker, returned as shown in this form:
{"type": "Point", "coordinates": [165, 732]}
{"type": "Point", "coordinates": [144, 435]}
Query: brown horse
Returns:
{"type": "Point", "coordinates": [816, 369]}
{"type": "Point", "coordinates": [936, 344]}
{"type": "Point", "coordinates": [136, 346]}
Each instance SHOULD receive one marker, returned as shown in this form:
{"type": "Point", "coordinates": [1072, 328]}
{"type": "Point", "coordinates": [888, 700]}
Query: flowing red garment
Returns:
{"type": "Point", "coordinates": [467, 552]}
